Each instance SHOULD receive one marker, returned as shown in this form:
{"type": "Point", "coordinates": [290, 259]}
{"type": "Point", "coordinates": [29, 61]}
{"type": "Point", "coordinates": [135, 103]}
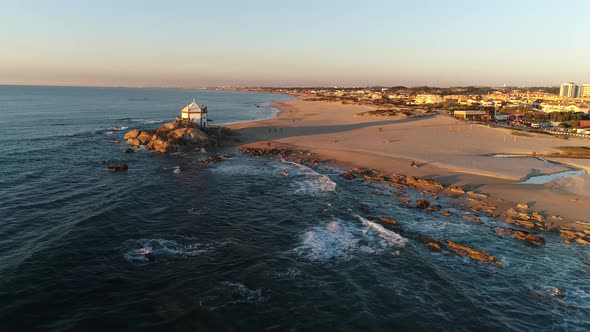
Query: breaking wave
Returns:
{"type": "Point", "coordinates": [376, 229]}
{"type": "Point", "coordinates": [134, 250]}
{"type": "Point", "coordinates": [338, 240]}
{"type": "Point", "coordinates": [232, 293]}
{"type": "Point", "coordinates": [314, 182]}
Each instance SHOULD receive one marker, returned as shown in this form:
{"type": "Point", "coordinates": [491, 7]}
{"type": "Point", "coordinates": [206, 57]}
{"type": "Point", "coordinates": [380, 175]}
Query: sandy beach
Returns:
{"type": "Point", "coordinates": [451, 151]}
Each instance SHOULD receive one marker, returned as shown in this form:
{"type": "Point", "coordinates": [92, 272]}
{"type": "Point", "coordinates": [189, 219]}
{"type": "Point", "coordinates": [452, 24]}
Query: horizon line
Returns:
{"type": "Point", "coordinates": [275, 87]}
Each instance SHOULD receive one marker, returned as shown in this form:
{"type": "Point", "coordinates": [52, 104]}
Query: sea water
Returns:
{"type": "Point", "coordinates": [237, 245]}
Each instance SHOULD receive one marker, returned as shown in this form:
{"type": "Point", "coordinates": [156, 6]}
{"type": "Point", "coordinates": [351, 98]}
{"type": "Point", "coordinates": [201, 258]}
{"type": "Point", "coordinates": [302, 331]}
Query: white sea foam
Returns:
{"type": "Point", "coordinates": [195, 211]}
{"type": "Point", "coordinates": [314, 182]}
{"type": "Point", "coordinates": [290, 274]}
{"type": "Point", "coordinates": [243, 294]}
{"type": "Point", "coordinates": [176, 170]}
{"type": "Point", "coordinates": [340, 240]}
{"type": "Point", "coordinates": [231, 293]}
{"type": "Point", "coordinates": [390, 236]}
{"type": "Point", "coordinates": [147, 121]}
{"type": "Point", "coordinates": [135, 249]}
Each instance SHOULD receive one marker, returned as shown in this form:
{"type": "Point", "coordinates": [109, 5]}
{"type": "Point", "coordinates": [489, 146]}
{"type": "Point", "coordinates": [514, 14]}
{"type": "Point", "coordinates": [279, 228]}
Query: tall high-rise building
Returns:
{"type": "Point", "coordinates": [569, 90]}
{"type": "Point", "coordinates": [585, 91]}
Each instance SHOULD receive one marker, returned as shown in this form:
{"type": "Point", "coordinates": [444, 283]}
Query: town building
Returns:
{"type": "Point", "coordinates": [585, 91]}
{"type": "Point", "coordinates": [195, 113]}
{"type": "Point", "coordinates": [470, 114]}
{"type": "Point", "coordinates": [569, 90]}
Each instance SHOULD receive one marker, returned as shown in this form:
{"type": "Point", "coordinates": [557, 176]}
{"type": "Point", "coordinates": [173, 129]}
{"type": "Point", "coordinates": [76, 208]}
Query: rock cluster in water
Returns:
{"type": "Point", "coordinates": [520, 235]}
{"type": "Point", "coordinates": [297, 156]}
{"type": "Point", "coordinates": [171, 137]}
{"type": "Point", "coordinates": [117, 168]}
{"type": "Point", "coordinates": [476, 205]}
{"type": "Point", "coordinates": [179, 135]}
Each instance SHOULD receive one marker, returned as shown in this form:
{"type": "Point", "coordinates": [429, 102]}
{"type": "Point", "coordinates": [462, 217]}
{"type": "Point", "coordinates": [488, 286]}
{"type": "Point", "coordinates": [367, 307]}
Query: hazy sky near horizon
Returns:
{"type": "Point", "coordinates": [289, 43]}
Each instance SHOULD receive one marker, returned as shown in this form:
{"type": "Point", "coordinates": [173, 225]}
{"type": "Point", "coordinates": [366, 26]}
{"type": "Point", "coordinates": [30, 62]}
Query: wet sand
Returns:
{"type": "Point", "coordinates": [451, 151]}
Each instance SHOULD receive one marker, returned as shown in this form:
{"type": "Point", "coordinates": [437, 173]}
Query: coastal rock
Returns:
{"type": "Point", "coordinates": [212, 159]}
{"type": "Point", "coordinates": [131, 134]}
{"type": "Point", "coordinates": [521, 223]}
{"type": "Point", "coordinates": [536, 216]}
{"type": "Point", "coordinates": [168, 127]}
{"type": "Point", "coordinates": [147, 254]}
{"type": "Point", "coordinates": [187, 135]}
{"type": "Point", "coordinates": [117, 168]}
{"type": "Point", "coordinates": [422, 204]}
{"type": "Point", "coordinates": [129, 150]}
{"type": "Point", "coordinates": [420, 183]}
{"type": "Point", "coordinates": [180, 135]}
{"type": "Point", "coordinates": [388, 220]}
{"type": "Point", "coordinates": [144, 137]}
{"type": "Point", "coordinates": [434, 246]}
{"type": "Point", "coordinates": [456, 189]}
{"type": "Point", "coordinates": [163, 146]}
{"type": "Point", "coordinates": [446, 213]}
{"type": "Point", "coordinates": [520, 235]}
{"type": "Point", "coordinates": [549, 292]}
{"type": "Point", "coordinates": [445, 245]}
{"type": "Point", "coordinates": [463, 250]}
{"type": "Point", "coordinates": [348, 175]}
{"type": "Point", "coordinates": [434, 208]}
{"type": "Point", "coordinates": [472, 218]}
{"type": "Point", "coordinates": [134, 141]}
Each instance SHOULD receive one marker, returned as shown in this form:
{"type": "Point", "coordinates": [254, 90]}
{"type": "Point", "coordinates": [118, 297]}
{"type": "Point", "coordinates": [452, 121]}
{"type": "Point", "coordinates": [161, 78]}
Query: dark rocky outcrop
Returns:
{"type": "Point", "coordinates": [434, 246]}
{"type": "Point", "coordinates": [148, 254]}
{"type": "Point", "coordinates": [424, 184]}
{"type": "Point", "coordinates": [348, 175]}
{"type": "Point", "coordinates": [422, 204]}
{"type": "Point", "coordinates": [448, 246]}
{"type": "Point", "coordinates": [570, 236]}
{"type": "Point", "coordinates": [463, 250]}
{"type": "Point", "coordinates": [472, 218]}
{"type": "Point", "coordinates": [180, 135]}
{"type": "Point", "coordinates": [117, 168]}
{"type": "Point", "coordinates": [212, 159]}
{"type": "Point", "coordinates": [520, 235]}
{"type": "Point", "coordinates": [388, 220]}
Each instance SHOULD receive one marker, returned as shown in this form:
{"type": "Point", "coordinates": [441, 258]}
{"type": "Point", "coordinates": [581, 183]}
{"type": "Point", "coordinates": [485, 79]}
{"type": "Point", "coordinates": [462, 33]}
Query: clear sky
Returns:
{"type": "Point", "coordinates": [290, 43]}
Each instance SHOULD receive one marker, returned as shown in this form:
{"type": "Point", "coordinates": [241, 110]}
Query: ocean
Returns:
{"type": "Point", "coordinates": [238, 246]}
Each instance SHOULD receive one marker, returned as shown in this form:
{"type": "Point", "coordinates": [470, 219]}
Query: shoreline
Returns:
{"type": "Point", "coordinates": [445, 149]}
